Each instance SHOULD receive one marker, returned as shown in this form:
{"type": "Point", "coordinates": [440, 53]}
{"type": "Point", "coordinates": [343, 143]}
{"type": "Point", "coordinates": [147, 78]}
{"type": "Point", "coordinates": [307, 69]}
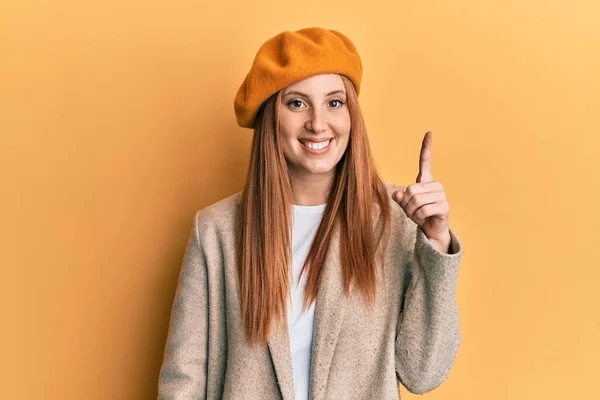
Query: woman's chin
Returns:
{"type": "Point", "coordinates": [319, 169]}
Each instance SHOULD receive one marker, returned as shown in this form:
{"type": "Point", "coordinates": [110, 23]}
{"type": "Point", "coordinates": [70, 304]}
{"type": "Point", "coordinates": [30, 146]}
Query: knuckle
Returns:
{"type": "Point", "coordinates": [420, 212]}
{"type": "Point", "coordinates": [414, 201]}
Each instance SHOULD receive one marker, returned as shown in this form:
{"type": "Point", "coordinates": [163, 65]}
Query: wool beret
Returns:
{"type": "Point", "coordinates": [290, 57]}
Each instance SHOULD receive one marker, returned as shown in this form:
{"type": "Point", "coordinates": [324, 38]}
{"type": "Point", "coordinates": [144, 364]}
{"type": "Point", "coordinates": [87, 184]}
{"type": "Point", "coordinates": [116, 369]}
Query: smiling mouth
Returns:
{"type": "Point", "coordinates": [315, 146]}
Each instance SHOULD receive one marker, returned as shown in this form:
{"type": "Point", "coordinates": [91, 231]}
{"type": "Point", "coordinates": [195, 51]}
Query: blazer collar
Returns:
{"type": "Point", "coordinates": [330, 308]}
{"type": "Point", "coordinates": [329, 312]}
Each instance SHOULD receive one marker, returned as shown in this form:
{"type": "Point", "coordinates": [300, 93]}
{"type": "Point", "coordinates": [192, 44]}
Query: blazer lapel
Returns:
{"type": "Point", "coordinates": [329, 313]}
{"type": "Point", "coordinates": [330, 308]}
{"type": "Point", "coordinates": [279, 347]}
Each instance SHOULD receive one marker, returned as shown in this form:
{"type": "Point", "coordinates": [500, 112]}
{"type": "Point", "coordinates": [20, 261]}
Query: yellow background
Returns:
{"type": "Point", "coordinates": [117, 124]}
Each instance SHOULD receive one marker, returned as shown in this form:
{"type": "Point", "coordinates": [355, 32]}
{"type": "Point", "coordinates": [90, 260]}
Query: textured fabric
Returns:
{"type": "Point", "coordinates": [411, 335]}
{"type": "Point", "coordinates": [292, 56]}
{"type": "Point", "coordinates": [306, 220]}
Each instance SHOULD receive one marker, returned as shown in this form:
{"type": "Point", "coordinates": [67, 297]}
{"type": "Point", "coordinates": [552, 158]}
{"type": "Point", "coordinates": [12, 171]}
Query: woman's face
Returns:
{"type": "Point", "coordinates": [314, 125]}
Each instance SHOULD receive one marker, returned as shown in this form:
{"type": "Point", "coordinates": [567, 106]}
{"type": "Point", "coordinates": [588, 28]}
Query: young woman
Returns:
{"type": "Point", "coordinates": [310, 282]}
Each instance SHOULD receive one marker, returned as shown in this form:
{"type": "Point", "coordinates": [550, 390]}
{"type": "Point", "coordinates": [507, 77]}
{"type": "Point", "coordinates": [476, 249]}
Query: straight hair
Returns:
{"type": "Point", "coordinates": [263, 225]}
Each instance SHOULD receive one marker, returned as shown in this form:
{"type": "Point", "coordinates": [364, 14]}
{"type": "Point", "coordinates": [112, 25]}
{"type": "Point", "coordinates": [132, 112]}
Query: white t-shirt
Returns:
{"type": "Point", "coordinates": [305, 222]}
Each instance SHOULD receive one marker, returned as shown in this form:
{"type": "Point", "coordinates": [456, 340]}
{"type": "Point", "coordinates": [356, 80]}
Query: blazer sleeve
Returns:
{"type": "Point", "coordinates": [183, 371]}
{"type": "Point", "coordinates": [428, 333]}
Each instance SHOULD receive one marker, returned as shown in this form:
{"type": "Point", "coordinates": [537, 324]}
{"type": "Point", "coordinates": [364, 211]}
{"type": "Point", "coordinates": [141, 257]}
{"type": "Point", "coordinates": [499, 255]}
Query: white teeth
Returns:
{"type": "Point", "coordinates": [316, 146]}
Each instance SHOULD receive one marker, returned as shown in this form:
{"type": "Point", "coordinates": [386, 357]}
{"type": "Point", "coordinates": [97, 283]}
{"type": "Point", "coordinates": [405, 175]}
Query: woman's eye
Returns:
{"type": "Point", "coordinates": [294, 103]}
{"type": "Point", "coordinates": [299, 104]}
{"type": "Point", "coordinates": [341, 103]}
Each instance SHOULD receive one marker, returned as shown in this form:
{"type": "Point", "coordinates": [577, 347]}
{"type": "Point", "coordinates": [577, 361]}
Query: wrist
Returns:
{"type": "Point", "coordinates": [443, 244]}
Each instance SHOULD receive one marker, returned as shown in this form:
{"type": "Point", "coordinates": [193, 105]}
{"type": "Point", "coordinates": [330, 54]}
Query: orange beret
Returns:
{"type": "Point", "coordinates": [290, 57]}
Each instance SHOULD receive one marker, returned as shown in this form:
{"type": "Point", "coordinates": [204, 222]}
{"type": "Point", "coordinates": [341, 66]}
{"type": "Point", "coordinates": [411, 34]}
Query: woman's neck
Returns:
{"type": "Point", "coordinates": [313, 190]}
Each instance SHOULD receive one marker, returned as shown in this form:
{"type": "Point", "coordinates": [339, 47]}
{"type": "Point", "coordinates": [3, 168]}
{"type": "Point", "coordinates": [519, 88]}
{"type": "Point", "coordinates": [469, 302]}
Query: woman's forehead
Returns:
{"type": "Point", "coordinates": [316, 85]}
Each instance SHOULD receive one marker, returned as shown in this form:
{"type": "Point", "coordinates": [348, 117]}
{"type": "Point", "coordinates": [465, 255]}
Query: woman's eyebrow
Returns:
{"type": "Point", "coordinates": [294, 92]}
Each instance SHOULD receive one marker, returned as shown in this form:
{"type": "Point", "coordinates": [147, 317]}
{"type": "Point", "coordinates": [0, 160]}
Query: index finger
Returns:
{"type": "Point", "coordinates": [425, 174]}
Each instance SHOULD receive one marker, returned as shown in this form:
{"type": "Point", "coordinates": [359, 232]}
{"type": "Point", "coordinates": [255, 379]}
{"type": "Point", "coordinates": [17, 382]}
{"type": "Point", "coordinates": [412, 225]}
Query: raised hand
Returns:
{"type": "Point", "coordinates": [425, 203]}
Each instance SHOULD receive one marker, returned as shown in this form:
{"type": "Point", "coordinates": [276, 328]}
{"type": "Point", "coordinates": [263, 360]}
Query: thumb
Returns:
{"type": "Point", "coordinates": [398, 195]}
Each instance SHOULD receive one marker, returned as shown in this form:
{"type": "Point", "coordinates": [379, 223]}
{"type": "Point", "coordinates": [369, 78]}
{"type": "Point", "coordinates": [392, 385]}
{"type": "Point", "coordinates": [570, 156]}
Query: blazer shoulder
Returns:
{"type": "Point", "coordinates": [392, 187]}
{"type": "Point", "coordinates": [219, 214]}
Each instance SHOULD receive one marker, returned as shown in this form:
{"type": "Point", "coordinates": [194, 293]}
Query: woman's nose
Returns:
{"type": "Point", "coordinates": [316, 122]}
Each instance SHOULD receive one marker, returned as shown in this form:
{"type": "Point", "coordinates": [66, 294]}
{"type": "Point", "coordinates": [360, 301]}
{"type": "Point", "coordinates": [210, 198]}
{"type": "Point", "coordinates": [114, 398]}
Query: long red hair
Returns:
{"type": "Point", "coordinates": [263, 226]}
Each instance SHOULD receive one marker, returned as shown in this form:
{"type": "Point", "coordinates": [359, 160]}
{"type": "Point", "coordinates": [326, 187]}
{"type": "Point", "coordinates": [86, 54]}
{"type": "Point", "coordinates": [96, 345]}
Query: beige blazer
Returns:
{"type": "Point", "coordinates": [411, 335]}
